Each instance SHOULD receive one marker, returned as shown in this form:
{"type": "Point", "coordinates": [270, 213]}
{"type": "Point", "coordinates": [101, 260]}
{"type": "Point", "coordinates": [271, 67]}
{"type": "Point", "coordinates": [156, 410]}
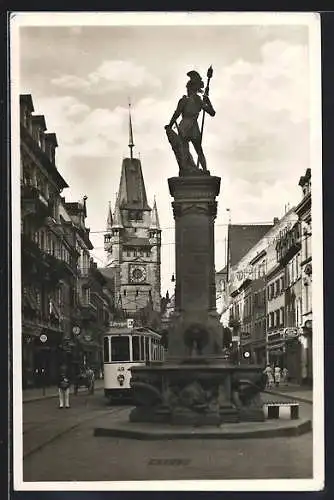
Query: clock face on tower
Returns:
{"type": "Point", "coordinates": [137, 274]}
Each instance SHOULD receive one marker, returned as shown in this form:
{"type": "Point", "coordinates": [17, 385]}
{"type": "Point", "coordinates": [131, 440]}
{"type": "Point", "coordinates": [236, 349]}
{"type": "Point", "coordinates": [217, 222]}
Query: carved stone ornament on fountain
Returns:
{"type": "Point", "coordinates": [205, 396]}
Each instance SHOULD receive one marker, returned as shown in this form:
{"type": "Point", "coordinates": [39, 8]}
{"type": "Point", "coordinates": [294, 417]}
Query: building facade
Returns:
{"type": "Point", "coordinates": [48, 257]}
{"type": "Point", "coordinates": [56, 269]}
{"type": "Point", "coordinates": [305, 217]}
{"type": "Point", "coordinates": [251, 312]}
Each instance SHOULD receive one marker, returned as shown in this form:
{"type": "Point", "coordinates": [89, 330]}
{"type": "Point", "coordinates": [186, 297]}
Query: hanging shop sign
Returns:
{"type": "Point", "coordinates": [43, 338]}
{"type": "Point", "coordinates": [76, 330]}
{"type": "Point", "coordinates": [130, 323]}
{"type": "Point", "coordinates": [290, 333]}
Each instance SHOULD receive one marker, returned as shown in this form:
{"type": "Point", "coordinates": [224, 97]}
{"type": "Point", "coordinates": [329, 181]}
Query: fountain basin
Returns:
{"type": "Point", "coordinates": [197, 394]}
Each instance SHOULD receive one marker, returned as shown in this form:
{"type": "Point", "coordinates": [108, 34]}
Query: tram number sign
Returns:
{"type": "Point", "coordinates": [43, 338]}
{"type": "Point", "coordinates": [130, 323]}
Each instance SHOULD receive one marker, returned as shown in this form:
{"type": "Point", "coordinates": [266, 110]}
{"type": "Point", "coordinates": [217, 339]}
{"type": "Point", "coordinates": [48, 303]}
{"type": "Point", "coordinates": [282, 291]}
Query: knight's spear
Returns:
{"type": "Point", "coordinates": [206, 92]}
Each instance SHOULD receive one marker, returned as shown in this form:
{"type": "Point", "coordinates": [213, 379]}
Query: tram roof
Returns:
{"type": "Point", "coordinates": [132, 331]}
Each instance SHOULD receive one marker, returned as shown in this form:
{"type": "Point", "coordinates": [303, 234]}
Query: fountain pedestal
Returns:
{"type": "Point", "coordinates": [196, 386]}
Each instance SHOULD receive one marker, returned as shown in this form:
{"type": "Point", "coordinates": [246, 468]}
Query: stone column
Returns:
{"type": "Point", "coordinates": [196, 325]}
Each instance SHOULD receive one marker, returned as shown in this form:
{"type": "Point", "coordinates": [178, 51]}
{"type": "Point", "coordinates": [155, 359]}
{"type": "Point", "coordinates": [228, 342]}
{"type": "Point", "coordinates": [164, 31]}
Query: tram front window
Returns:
{"type": "Point", "coordinates": [120, 350]}
{"type": "Point", "coordinates": [135, 348]}
{"type": "Point", "coordinates": [106, 349]}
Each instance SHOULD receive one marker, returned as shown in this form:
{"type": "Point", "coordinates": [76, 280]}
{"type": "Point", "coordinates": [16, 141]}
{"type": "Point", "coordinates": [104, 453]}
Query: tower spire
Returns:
{"type": "Point", "coordinates": [131, 143]}
{"type": "Point", "coordinates": [154, 216]}
{"type": "Point", "coordinates": [109, 218]}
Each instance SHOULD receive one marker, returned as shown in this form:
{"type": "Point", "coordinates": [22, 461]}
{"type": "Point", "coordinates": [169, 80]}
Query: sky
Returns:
{"type": "Point", "coordinates": [81, 78]}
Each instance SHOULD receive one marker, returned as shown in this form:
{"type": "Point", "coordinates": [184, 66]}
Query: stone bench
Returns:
{"type": "Point", "coordinates": [275, 406]}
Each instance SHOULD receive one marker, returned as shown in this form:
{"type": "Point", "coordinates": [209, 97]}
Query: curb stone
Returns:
{"type": "Point", "coordinates": [51, 396]}
{"type": "Point", "coordinates": [291, 396]}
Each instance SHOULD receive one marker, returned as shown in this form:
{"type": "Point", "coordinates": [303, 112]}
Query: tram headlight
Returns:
{"type": "Point", "coordinates": [120, 379]}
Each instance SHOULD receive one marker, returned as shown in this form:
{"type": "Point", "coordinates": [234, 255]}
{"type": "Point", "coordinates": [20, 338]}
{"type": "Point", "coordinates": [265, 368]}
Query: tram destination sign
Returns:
{"type": "Point", "coordinates": [122, 324]}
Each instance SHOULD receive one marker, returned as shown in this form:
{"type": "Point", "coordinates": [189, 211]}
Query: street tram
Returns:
{"type": "Point", "coordinates": [124, 347]}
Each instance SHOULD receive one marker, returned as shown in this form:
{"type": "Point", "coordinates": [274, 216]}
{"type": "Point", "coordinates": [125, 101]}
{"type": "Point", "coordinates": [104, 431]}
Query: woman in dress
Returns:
{"type": "Point", "coordinates": [269, 373]}
{"type": "Point", "coordinates": [277, 375]}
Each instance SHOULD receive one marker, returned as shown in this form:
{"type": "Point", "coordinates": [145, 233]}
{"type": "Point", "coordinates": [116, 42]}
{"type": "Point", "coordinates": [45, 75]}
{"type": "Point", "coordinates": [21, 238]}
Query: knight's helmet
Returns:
{"type": "Point", "coordinates": [195, 81]}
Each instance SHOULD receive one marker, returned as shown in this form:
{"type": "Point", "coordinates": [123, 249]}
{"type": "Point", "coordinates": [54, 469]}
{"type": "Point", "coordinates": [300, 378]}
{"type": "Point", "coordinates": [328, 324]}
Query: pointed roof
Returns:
{"type": "Point", "coordinates": [131, 143]}
{"type": "Point", "coordinates": [132, 192]}
{"type": "Point", "coordinates": [155, 217]}
{"type": "Point", "coordinates": [117, 219]}
{"type": "Point", "coordinates": [242, 237]}
{"type": "Point", "coordinates": [109, 217]}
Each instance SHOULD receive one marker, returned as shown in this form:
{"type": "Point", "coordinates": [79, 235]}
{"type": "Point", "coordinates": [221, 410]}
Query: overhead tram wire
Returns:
{"type": "Point", "coordinates": [216, 225]}
{"type": "Point", "coordinates": [216, 241]}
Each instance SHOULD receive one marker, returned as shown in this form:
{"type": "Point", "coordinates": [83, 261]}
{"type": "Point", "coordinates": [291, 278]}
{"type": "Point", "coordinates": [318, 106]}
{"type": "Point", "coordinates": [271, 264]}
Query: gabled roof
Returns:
{"type": "Point", "coordinates": [242, 237]}
{"type": "Point", "coordinates": [108, 272]}
{"type": "Point", "coordinates": [132, 192]}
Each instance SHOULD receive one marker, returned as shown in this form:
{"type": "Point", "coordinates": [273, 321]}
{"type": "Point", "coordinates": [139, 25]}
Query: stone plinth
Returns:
{"type": "Point", "coordinates": [196, 328]}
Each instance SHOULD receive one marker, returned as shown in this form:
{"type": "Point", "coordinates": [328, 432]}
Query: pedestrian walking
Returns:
{"type": "Point", "coordinates": [277, 375]}
{"type": "Point", "coordinates": [269, 374]}
{"type": "Point", "coordinates": [90, 380]}
{"type": "Point", "coordinates": [64, 388]}
{"type": "Point", "coordinates": [285, 375]}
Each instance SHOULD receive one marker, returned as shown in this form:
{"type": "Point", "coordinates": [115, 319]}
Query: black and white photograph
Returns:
{"type": "Point", "coordinates": [166, 182]}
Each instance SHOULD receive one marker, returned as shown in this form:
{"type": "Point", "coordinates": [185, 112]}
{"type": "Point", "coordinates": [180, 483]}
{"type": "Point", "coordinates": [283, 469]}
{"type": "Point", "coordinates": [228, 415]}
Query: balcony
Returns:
{"type": "Point", "coordinates": [34, 202]}
{"type": "Point", "coordinates": [41, 263]}
{"type": "Point", "coordinates": [87, 308]}
{"type": "Point", "coordinates": [39, 325]}
{"type": "Point", "coordinates": [288, 246]}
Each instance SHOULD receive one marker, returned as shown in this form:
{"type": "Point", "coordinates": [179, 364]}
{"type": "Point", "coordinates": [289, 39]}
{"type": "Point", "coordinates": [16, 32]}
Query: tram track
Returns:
{"type": "Point", "coordinates": [60, 432]}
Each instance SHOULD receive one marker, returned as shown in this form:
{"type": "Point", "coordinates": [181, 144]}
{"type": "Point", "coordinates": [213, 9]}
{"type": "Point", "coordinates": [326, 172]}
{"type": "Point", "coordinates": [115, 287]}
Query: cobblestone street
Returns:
{"type": "Point", "coordinates": [60, 446]}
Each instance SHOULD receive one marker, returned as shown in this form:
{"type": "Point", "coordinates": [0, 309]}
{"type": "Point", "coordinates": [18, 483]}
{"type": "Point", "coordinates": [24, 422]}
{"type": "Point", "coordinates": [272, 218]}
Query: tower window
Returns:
{"type": "Point", "coordinates": [124, 293]}
{"type": "Point", "coordinates": [135, 215]}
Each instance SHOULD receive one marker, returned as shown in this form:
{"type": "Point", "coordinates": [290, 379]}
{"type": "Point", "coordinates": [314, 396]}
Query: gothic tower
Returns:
{"type": "Point", "coordinates": [133, 240]}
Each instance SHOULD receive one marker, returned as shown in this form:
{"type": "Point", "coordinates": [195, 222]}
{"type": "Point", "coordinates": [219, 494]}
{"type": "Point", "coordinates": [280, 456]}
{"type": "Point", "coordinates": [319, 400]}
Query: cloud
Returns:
{"type": "Point", "coordinates": [258, 140]}
{"type": "Point", "coordinates": [109, 76]}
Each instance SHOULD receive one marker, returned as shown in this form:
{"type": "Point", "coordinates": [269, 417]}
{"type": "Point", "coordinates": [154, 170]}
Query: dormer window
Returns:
{"type": "Point", "coordinates": [41, 140]}
{"type": "Point", "coordinates": [26, 118]}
